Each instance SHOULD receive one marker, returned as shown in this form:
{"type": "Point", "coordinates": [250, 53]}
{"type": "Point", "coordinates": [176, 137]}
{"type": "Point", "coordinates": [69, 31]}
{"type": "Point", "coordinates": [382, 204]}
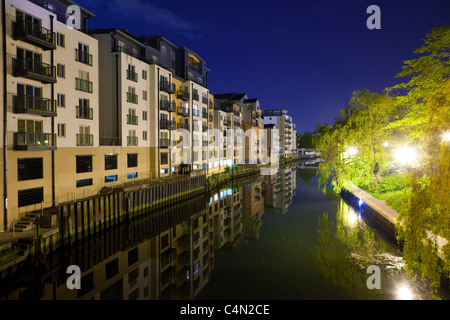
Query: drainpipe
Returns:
{"type": "Point", "coordinates": [5, 121]}
{"type": "Point", "coordinates": [158, 123]}
{"type": "Point", "coordinates": [53, 121]}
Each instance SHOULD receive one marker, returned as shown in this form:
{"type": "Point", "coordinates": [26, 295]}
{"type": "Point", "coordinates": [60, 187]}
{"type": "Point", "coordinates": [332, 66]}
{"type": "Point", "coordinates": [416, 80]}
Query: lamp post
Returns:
{"type": "Point", "coordinates": [405, 156]}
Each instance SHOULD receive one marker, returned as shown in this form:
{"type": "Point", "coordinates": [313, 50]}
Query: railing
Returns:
{"type": "Point", "coordinates": [204, 114]}
{"type": "Point", "coordinates": [167, 124]}
{"type": "Point", "coordinates": [34, 141]}
{"type": "Point", "coordinates": [29, 67]}
{"type": "Point", "coordinates": [110, 141]}
{"type": "Point", "coordinates": [210, 105]}
{"type": "Point", "coordinates": [183, 126]}
{"type": "Point", "coordinates": [85, 139]}
{"type": "Point", "coordinates": [227, 123]}
{"type": "Point", "coordinates": [167, 105]}
{"type": "Point", "coordinates": [132, 141]}
{"type": "Point", "coordinates": [195, 96]}
{"type": "Point", "coordinates": [132, 119]}
{"type": "Point", "coordinates": [236, 113]}
{"type": "Point", "coordinates": [211, 118]}
{"type": "Point", "coordinates": [85, 113]}
{"type": "Point", "coordinates": [32, 32]}
{"type": "Point", "coordinates": [33, 104]}
{"type": "Point", "coordinates": [131, 75]}
{"type": "Point", "coordinates": [164, 143]}
{"type": "Point", "coordinates": [132, 97]}
{"type": "Point", "coordinates": [167, 86]}
{"type": "Point", "coordinates": [83, 57]}
{"type": "Point", "coordinates": [183, 111]}
{"type": "Point", "coordinates": [183, 94]}
{"type": "Point", "coordinates": [84, 85]}
{"type": "Point", "coordinates": [205, 100]}
{"type": "Point", "coordinates": [204, 128]}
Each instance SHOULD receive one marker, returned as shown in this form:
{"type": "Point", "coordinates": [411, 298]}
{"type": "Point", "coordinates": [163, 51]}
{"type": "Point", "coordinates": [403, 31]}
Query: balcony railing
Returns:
{"type": "Point", "coordinates": [211, 119]}
{"type": "Point", "coordinates": [84, 85]}
{"type": "Point", "coordinates": [34, 34]}
{"type": "Point", "coordinates": [110, 141]}
{"type": "Point", "coordinates": [183, 95]}
{"type": "Point", "coordinates": [83, 57]}
{"type": "Point", "coordinates": [205, 100]}
{"type": "Point", "coordinates": [132, 119]}
{"type": "Point", "coordinates": [85, 139]}
{"type": "Point", "coordinates": [183, 111]}
{"type": "Point", "coordinates": [183, 126]}
{"type": "Point", "coordinates": [34, 141]}
{"type": "Point", "coordinates": [211, 106]}
{"type": "Point", "coordinates": [236, 113]}
{"type": "Point", "coordinates": [227, 123]}
{"type": "Point", "coordinates": [205, 114]}
{"type": "Point", "coordinates": [35, 105]}
{"type": "Point", "coordinates": [132, 141]}
{"type": "Point", "coordinates": [131, 75]}
{"type": "Point", "coordinates": [85, 113]}
{"type": "Point", "coordinates": [195, 96]}
{"type": "Point", "coordinates": [204, 128]}
{"type": "Point", "coordinates": [132, 97]}
{"type": "Point", "coordinates": [164, 143]}
{"type": "Point", "coordinates": [167, 105]}
{"type": "Point", "coordinates": [167, 86]}
{"type": "Point", "coordinates": [35, 70]}
{"type": "Point", "coordinates": [167, 124]}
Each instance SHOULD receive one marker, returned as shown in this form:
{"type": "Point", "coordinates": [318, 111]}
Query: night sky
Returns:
{"type": "Point", "coordinates": [305, 56]}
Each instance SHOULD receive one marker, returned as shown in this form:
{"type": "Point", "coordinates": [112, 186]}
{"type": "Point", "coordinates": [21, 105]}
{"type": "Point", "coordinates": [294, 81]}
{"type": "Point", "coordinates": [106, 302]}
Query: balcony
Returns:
{"type": "Point", "coordinates": [183, 111]}
{"type": "Point", "coordinates": [33, 141]}
{"type": "Point", "coordinates": [83, 57]}
{"type": "Point", "coordinates": [132, 97]}
{"type": "Point", "coordinates": [167, 124]}
{"type": "Point", "coordinates": [167, 86]}
{"type": "Point", "coordinates": [204, 128]}
{"type": "Point", "coordinates": [195, 96]}
{"type": "Point", "coordinates": [183, 95]}
{"type": "Point", "coordinates": [34, 105]}
{"type": "Point", "coordinates": [211, 106]}
{"type": "Point", "coordinates": [205, 100]}
{"type": "Point", "coordinates": [35, 70]}
{"type": "Point", "coordinates": [110, 141]}
{"type": "Point", "coordinates": [167, 105]}
{"type": "Point", "coordinates": [164, 143]}
{"type": "Point", "coordinates": [237, 124]}
{"type": "Point", "coordinates": [211, 119]}
{"type": "Point", "coordinates": [85, 113]}
{"type": "Point", "coordinates": [132, 141]}
{"type": "Point", "coordinates": [85, 140]}
{"type": "Point", "coordinates": [183, 126]}
{"type": "Point", "coordinates": [227, 123]}
{"type": "Point", "coordinates": [205, 114]}
{"type": "Point", "coordinates": [236, 113]}
{"type": "Point", "coordinates": [132, 119]}
{"type": "Point", "coordinates": [34, 34]}
{"type": "Point", "coordinates": [84, 85]}
{"type": "Point", "coordinates": [131, 75]}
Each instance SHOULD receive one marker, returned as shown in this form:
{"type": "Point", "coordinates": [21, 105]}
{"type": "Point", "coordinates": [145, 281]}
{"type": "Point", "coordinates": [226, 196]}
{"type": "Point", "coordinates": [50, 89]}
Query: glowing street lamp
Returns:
{"type": "Point", "coordinates": [406, 155]}
{"type": "Point", "coordinates": [446, 137]}
{"type": "Point", "coordinates": [404, 292]}
{"type": "Point", "coordinates": [352, 151]}
{"type": "Point", "coordinates": [386, 144]}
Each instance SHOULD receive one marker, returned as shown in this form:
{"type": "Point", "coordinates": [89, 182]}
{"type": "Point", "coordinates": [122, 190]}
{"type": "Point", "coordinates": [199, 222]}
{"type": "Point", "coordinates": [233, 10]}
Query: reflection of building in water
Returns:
{"type": "Point", "coordinates": [253, 205]}
{"type": "Point", "coordinates": [280, 189]}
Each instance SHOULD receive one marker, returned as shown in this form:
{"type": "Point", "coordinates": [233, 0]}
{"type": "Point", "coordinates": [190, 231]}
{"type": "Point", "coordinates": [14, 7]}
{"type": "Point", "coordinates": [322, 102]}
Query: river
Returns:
{"type": "Point", "coordinates": [266, 237]}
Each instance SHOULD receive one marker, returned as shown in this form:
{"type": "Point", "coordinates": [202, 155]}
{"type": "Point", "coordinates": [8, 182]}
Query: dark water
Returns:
{"type": "Point", "coordinates": [269, 237]}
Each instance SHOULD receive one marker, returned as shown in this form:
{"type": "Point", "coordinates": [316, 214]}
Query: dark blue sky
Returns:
{"type": "Point", "coordinates": [305, 56]}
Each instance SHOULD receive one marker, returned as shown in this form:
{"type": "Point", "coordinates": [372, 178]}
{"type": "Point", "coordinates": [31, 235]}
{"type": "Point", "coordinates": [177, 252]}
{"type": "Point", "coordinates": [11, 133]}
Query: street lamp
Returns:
{"type": "Point", "coordinates": [446, 137]}
{"type": "Point", "coordinates": [406, 156]}
{"type": "Point", "coordinates": [352, 151]}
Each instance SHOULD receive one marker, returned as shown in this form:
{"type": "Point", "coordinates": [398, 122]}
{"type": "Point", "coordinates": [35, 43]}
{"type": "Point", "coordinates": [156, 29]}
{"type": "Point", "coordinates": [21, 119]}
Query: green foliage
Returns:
{"type": "Point", "coordinates": [305, 140]}
{"type": "Point", "coordinates": [415, 111]}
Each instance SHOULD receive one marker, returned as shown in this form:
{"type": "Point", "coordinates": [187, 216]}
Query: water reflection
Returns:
{"type": "Point", "coordinates": [172, 254]}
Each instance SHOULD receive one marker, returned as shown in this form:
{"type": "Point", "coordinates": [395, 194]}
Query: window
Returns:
{"type": "Point", "coordinates": [144, 135]}
{"type": "Point", "coordinates": [61, 129]}
{"type": "Point", "coordinates": [61, 100]}
{"type": "Point", "coordinates": [144, 74]}
{"type": "Point", "coordinates": [29, 169]}
{"type": "Point", "coordinates": [164, 241]}
{"type": "Point", "coordinates": [145, 272]}
{"type": "Point", "coordinates": [112, 268]}
{"type": "Point", "coordinates": [111, 178]}
{"type": "Point", "coordinates": [30, 196]}
{"type": "Point", "coordinates": [164, 158]}
{"type": "Point", "coordinates": [84, 164]}
{"type": "Point", "coordinates": [132, 175]}
{"type": "Point", "coordinates": [144, 95]}
{"type": "Point", "coordinates": [84, 182]}
{"type": "Point", "coordinates": [132, 160]}
{"type": "Point", "coordinates": [60, 39]}
{"type": "Point", "coordinates": [132, 277]}
{"type": "Point", "coordinates": [110, 161]}
{"type": "Point", "coordinates": [163, 50]}
{"type": "Point", "coordinates": [61, 70]}
{"type": "Point", "coordinates": [133, 256]}
{"type": "Point", "coordinates": [87, 284]}
{"type": "Point", "coordinates": [144, 115]}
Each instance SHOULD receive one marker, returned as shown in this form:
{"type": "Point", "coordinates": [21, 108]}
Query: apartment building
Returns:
{"type": "Point", "coordinates": [50, 105]}
{"type": "Point", "coordinates": [283, 121]}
